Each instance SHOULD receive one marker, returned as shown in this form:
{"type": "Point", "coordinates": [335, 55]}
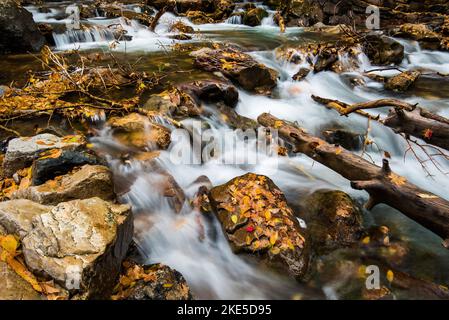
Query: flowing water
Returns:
{"type": "Point", "coordinates": [209, 266]}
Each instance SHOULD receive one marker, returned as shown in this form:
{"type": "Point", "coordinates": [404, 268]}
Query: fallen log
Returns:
{"type": "Point", "coordinates": [383, 185]}
{"type": "Point", "coordinates": [402, 118]}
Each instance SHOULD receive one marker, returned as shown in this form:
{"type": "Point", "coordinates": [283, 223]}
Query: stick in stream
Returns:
{"type": "Point", "coordinates": [383, 185]}
{"type": "Point", "coordinates": [403, 118]}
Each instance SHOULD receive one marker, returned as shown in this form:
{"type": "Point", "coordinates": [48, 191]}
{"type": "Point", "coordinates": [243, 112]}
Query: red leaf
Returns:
{"type": "Point", "coordinates": [428, 133]}
{"type": "Point", "coordinates": [250, 229]}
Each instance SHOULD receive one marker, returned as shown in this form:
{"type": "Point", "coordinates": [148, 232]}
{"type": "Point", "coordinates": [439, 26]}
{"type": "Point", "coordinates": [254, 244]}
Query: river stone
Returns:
{"type": "Point", "coordinates": [333, 219]}
{"type": "Point", "coordinates": [256, 219]}
{"type": "Point", "coordinates": [22, 151]}
{"type": "Point", "coordinates": [87, 182]}
{"type": "Point", "coordinates": [301, 74]}
{"type": "Point", "coordinates": [254, 17]}
{"type": "Point", "coordinates": [80, 244]}
{"type": "Point", "coordinates": [212, 91]}
{"type": "Point", "coordinates": [152, 282]}
{"type": "Point", "coordinates": [16, 216]}
{"type": "Point", "coordinates": [18, 30]}
{"type": "Point", "coordinates": [403, 81]}
{"type": "Point", "coordinates": [137, 131]}
{"type": "Point", "coordinates": [237, 66]}
{"type": "Point", "coordinates": [420, 32]}
{"type": "Point", "coordinates": [56, 162]}
{"type": "Point", "coordinates": [382, 50]}
{"type": "Point", "coordinates": [174, 102]}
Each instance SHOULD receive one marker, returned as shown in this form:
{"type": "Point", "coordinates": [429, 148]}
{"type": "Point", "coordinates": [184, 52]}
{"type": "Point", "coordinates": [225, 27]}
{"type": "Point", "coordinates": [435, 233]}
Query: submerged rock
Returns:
{"type": "Point", "coordinates": [137, 131]}
{"type": "Point", "coordinates": [237, 66]}
{"type": "Point", "coordinates": [18, 30]}
{"type": "Point", "coordinates": [151, 282]}
{"type": "Point", "coordinates": [87, 182]}
{"type": "Point", "coordinates": [333, 219]}
{"type": "Point", "coordinates": [256, 219]}
{"type": "Point", "coordinates": [403, 81]}
{"type": "Point", "coordinates": [80, 244]}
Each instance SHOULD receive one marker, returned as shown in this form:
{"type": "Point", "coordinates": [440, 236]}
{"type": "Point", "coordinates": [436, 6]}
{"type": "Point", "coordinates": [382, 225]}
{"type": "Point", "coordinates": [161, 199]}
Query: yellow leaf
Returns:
{"type": "Point", "coordinates": [397, 180]}
{"type": "Point", "coordinates": [234, 218]}
{"type": "Point", "coordinates": [273, 238]}
{"type": "Point", "coordinates": [278, 124]}
{"type": "Point", "coordinates": [390, 276]}
{"type": "Point", "coordinates": [23, 272]}
{"type": "Point", "coordinates": [427, 196]}
{"type": "Point", "coordinates": [275, 250]}
{"type": "Point", "coordinates": [168, 285]}
{"type": "Point", "coordinates": [268, 215]}
{"type": "Point", "coordinates": [10, 244]}
{"type": "Point", "coordinates": [338, 151]}
{"type": "Point", "coordinates": [366, 240]}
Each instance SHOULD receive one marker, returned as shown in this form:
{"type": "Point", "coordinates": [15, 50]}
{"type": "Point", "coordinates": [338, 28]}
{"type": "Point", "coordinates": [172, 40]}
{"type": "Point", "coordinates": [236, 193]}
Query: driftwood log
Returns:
{"type": "Point", "coordinates": [403, 118]}
{"type": "Point", "coordinates": [383, 185]}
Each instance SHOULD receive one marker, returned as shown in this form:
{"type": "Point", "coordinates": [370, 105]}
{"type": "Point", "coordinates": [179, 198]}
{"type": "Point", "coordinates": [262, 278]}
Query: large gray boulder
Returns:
{"type": "Point", "coordinates": [18, 31]}
{"type": "Point", "coordinates": [80, 244]}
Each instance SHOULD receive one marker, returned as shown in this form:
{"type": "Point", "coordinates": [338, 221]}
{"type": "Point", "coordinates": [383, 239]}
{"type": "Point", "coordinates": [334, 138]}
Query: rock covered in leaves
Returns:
{"type": "Point", "coordinates": [333, 219]}
{"type": "Point", "coordinates": [82, 183]}
{"type": "Point", "coordinates": [257, 219]}
{"type": "Point", "coordinates": [18, 30]}
{"type": "Point", "coordinates": [88, 261]}
{"type": "Point", "coordinates": [403, 81]}
{"type": "Point", "coordinates": [151, 282]}
{"type": "Point", "coordinates": [137, 131]}
{"type": "Point", "coordinates": [22, 151]}
{"type": "Point", "coordinates": [238, 67]}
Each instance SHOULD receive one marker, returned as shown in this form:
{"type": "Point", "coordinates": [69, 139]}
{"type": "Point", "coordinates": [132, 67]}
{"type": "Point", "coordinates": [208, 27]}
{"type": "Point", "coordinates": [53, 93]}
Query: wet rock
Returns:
{"type": "Point", "coordinates": [382, 50]}
{"type": "Point", "coordinates": [217, 12]}
{"type": "Point", "coordinates": [86, 182]}
{"type": "Point", "coordinates": [403, 81]}
{"type": "Point", "coordinates": [234, 120]}
{"type": "Point", "coordinates": [113, 10]}
{"type": "Point", "coordinates": [16, 216]}
{"type": "Point", "coordinates": [47, 30]}
{"type": "Point", "coordinates": [174, 102]}
{"type": "Point", "coordinates": [180, 27]}
{"type": "Point", "coordinates": [56, 162]}
{"type": "Point", "coordinates": [256, 219]}
{"type": "Point", "coordinates": [346, 138]}
{"type": "Point", "coordinates": [181, 37]}
{"type": "Point", "coordinates": [325, 60]}
{"type": "Point", "coordinates": [419, 32]}
{"type": "Point", "coordinates": [333, 219]}
{"type": "Point", "coordinates": [151, 282]}
{"type": "Point", "coordinates": [237, 66]}
{"type": "Point", "coordinates": [254, 17]}
{"type": "Point", "coordinates": [301, 74]}
{"type": "Point", "coordinates": [18, 30]}
{"type": "Point", "coordinates": [137, 131]}
{"type": "Point", "coordinates": [212, 91]}
{"type": "Point", "coordinates": [22, 151]}
{"type": "Point", "coordinates": [80, 244]}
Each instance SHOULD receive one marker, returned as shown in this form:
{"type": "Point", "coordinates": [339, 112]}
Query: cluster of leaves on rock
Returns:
{"type": "Point", "coordinates": [265, 215]}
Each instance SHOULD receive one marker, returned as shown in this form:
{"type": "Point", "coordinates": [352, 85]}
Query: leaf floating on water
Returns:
{"type": "Point", "coordinates": [390, 276]}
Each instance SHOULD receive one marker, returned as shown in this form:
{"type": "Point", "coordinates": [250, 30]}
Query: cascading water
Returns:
{"type": "Point", "coordinates": [208, 264]}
